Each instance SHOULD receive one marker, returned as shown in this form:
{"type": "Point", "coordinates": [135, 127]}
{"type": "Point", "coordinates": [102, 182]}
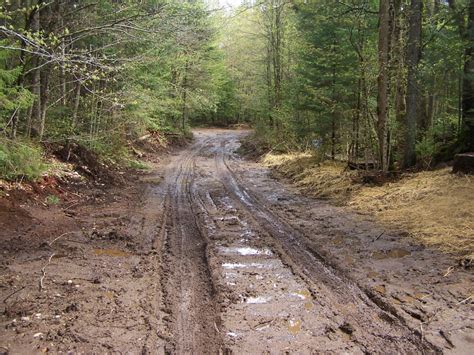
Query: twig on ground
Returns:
{"type": "Point", "coordinates": [62, 235]}
{"type": "Point", "coordinates": [11, 294]}
{"type": "Point", "coordinates": [43, 272]}
{"type": "Point", "coordinates": [72, 205]}
{"type": "Point", "coordinates": [378, 237]}
{"type": "Point", "coordinates": [450, 269]}
{"type": "Point", "coordinates": [446, 337]}
{"type": "Point", "coordinates": [440, 311]}
{"type": "Point", "coordinates": [465, 300]}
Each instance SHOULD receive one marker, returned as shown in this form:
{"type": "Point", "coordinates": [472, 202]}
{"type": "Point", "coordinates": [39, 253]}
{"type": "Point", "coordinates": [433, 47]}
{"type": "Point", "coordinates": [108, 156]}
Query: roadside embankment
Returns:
{"type": "Point", "coordinates": [435, 207]}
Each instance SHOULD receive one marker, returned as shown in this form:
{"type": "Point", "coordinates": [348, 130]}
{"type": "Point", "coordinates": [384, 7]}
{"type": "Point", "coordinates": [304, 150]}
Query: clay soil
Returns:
{"type": "Point", "coordinates": [207, 253]}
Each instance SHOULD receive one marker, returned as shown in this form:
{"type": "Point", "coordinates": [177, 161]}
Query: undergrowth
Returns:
{"type": "Point", "coordinates": [20, 160]}
{"type": "Point", "coordinates": [435, 207]}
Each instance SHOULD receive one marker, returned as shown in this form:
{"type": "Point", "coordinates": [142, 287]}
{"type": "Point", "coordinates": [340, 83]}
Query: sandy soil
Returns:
{"type": "Point", "coordinates": [208, 253]}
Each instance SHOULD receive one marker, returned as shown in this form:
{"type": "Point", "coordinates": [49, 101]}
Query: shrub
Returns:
{"type": "Point", "coordinates": [20, 160]}
{"type": "Point", "coordinates": [425, 151]}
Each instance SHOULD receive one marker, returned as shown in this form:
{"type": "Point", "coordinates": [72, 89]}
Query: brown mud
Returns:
{"type": "Point", "coordinates": [208, 253]}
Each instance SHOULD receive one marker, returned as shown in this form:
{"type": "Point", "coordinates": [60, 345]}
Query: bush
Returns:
{"type": "Point", "coordinates": [20, 160]}
{"type": "Point", "coordinates": [425, 151]}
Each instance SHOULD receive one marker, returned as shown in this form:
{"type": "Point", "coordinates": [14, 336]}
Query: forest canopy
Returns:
{"type": "Point", "coordinates": [381, 83]}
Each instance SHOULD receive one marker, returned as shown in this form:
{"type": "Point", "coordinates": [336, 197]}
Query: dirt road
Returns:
{"type": "Point", "coordinates": [244, 278]}
{"type": "Point", "coordinates": [218, 257]}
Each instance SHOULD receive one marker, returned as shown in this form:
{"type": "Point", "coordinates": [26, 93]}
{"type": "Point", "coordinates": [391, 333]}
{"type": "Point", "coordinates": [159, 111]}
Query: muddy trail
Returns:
{"type": "Point", "coordinates": [213, 255]}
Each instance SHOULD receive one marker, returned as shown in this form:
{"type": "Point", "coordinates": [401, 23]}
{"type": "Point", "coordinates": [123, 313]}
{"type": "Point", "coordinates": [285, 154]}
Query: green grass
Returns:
{"type": "Point", "coordinates": [136, 164]}
{"type": "Point", "coordinates": [52, 200]}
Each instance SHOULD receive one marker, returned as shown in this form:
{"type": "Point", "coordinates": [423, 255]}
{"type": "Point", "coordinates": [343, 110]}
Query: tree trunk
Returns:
{"type": "Point", "coordinates": [467, 135]}
{"type": "Point", "coordinates": [383, 81]}
{"type": "Point", "coordinates": [44, 101]}
{"type": "Point", "coordinates": [35, 115]}
{"type": "Point", "coordinates": [184, 110]}
{"type": "Point", "coordinates": [77, 100]}
{"type": "Point", "coordinates": [277, 52]}
{"type": "Point", "coordinates": [413, 91]}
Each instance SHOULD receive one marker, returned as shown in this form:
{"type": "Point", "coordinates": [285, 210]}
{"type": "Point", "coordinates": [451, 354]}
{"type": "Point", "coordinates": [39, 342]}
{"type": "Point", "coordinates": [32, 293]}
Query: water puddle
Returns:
{"type": "Point", "coordinates": [244, 266]}
{"type": "Point", "coordinates": [245, 251]}
{"type": "Point", "coordinates": [230, 220]}
{"type": "Point", "coordinates": [373, 274]}
{"type": "Point", "coordinates": [262, 327]}
{"type": "Point", "coordinates": [394, 253]}
{"type": "Point", "coordinates": [302, 294]}
{"type": "Point", "coordinates": [338, 240]}
{"type": "Point", "coordinates": [109, 295]}
{"type": "Point", "coordinates": [380, 289]}
{"type": "Point", "coordinates": [294, 326]}
{"type": "Point", "coordinates": [111, 252]}
{"type": "Point", "coordinates": [258, 300]}
{"type": "Point", "coordinates": [406, 299]}
{"type": "Point", "coordinates": [421, 296]}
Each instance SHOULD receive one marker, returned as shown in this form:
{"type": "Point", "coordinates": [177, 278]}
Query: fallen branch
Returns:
{"type": "Point", "coordinates": [378, 237]}
{"type": "Point", "coordinates": [450, 269]}
{"type": "Point", "coordinates": [11, 294]}
{"type": "Point", "coordinates": [43, 272]}
{"type": "Point", "coordinates": [438, 312]}
{"type": "Point", "coordinates": [62, 235]}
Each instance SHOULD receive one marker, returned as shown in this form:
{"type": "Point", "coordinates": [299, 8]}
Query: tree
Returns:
{"type": "Point", "coordinates": [413, 90]}
{"type": "Point", "coordinates": [467, 137]}
{"type": "Point", "coordinates": [383, 82]}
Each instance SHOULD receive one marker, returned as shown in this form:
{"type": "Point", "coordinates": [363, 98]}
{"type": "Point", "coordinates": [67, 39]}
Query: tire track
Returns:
{"type": "Point", "coordinates": [189, 294]}
{"type": "Point", "coordinates": [371, 326]}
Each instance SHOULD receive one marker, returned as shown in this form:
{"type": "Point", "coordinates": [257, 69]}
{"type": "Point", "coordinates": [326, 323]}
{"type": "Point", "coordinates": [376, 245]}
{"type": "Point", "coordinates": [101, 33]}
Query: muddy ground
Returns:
{"type": "Point", "coordinates": [208, 253]}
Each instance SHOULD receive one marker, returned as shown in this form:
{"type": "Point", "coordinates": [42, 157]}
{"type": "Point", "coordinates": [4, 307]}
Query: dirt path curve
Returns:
{"type": "Point", "coordinates": [239, 277]}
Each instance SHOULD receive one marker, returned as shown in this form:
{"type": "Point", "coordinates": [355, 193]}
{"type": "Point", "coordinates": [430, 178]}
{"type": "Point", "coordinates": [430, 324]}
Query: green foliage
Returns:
{"type": "Point", "coordinates": [12, 96]}
{"type": "Point", "coordinates": [52, 200]}
{"type": "Point", "coordinates": [20, 160]}
{"type": "Point", "coordinates": [426, 149]}
{"type": "Point", "coordinates": [137, 164]}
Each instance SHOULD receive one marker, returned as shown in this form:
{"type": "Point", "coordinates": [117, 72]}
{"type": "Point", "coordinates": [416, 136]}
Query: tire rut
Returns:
{"type": "Point", "coordinates": [373, 327]}
{"type": "Point", "coordinates": [188, 291]}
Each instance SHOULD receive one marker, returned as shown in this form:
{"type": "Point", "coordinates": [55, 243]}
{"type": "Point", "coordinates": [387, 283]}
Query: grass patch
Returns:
{"type": "Point", "coordinates": [139, 165]}
{"type": "Point", "coordinates": [52, 200]}
{"type": "Point", "coordinates": [435, 207]}
{"type": "Point", "coordinates": [325, 180]}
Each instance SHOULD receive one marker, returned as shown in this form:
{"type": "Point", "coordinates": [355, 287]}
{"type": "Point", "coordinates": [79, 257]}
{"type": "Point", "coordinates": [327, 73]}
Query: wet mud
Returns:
{"type": "Point", "coordinates": [213, 255]}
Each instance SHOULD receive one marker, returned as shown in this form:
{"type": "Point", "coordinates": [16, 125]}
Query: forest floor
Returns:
{"type": "Point", "coordinates": [207, 252]}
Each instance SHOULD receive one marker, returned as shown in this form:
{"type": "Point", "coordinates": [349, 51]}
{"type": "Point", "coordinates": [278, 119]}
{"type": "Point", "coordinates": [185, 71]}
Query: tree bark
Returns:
{"type": "Point", "coordinates": [77, 100]}
{"type": "Point", "coordinates": [467, 135]}
{"type": "Point", "coordinates": [383, 81]}
{"type": "Point", "coordinates": [44, 102]}
{"type": "Point", "coordinates": [413, 91]}
{"type": "Point", "coordinates": [35, 115]}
